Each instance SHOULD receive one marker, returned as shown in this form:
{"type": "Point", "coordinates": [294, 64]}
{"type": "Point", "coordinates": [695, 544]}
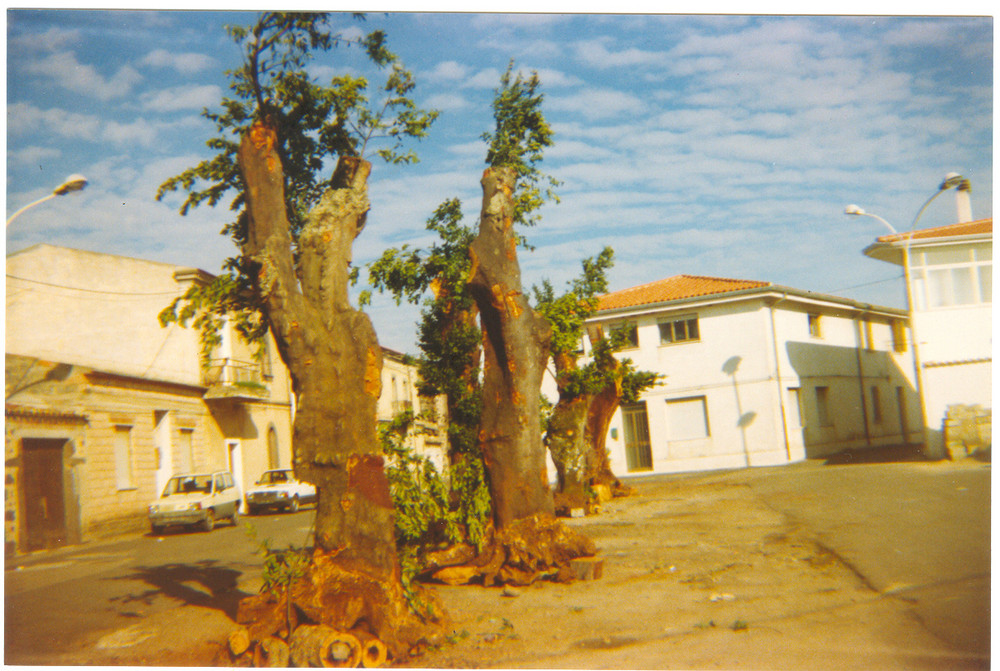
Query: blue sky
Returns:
{"type": "Point", "coordinates": [718, 145]}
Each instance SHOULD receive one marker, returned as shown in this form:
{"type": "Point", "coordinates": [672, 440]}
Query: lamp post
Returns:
{"type": "Point", "coordinates": [952, 179]}
{"type": "Point", "coordinates": [72, 183]}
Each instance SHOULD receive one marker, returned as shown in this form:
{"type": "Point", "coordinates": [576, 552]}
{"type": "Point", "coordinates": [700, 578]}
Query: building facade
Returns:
{"type": "Point", "coordinates": [755, 374]}
{"type": "Point", "coordinates": [951, 277]}
{"type": "Point", "coordinates": [103, 405]}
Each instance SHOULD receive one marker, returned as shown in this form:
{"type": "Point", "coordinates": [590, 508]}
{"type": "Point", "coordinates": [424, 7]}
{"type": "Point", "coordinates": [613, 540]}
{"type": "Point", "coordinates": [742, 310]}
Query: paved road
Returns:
{"type": "Point", "coordinates": [61, 599]}
{"type": "Point", "coordinates": [918, 531]}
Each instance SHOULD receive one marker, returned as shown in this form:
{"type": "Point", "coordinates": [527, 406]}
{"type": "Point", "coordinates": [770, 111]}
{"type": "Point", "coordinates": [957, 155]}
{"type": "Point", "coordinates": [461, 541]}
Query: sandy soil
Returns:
{"type": "Point", "coordinates": [698, 574]}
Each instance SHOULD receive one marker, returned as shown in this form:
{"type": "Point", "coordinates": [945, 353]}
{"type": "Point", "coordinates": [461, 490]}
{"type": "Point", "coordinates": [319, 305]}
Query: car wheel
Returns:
{"type": "Point", "coordinates": [293, 507]}
{"type": "Point", "coordinates": [209, 522]}
{"type": "Point", "coordinates": [236, 516]}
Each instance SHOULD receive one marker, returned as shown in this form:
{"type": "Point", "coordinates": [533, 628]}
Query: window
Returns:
{"type": "Point", "coordinates": [628, 332]}
{"type": "Point", "coordinates": [123, 457]}
{"type": "Point", "coordinates": [950, 276]}
{"type": "Point", "coordinates": [876, 406]}
{"type": "Point", "coordinates": [679, 329]}
{"type": "Point", "coordinates": [823, 406]}
{"type": "Point", "coordinates": [814, 327]}
{"type": "Point", "coordinates": [687, 418]}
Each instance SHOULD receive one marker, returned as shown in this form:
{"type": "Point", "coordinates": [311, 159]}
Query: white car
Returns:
{"type": "Point", "coordinates": [197, 498]}
{"type": "Point", "coordinates": [279, 489]}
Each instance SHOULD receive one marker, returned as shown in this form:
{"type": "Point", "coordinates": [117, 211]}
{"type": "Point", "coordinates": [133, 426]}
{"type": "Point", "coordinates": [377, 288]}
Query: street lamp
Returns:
{"type": "Point", "coordinates": [952, 179]}
{"type": "Point", "coordinates": [72, 183]}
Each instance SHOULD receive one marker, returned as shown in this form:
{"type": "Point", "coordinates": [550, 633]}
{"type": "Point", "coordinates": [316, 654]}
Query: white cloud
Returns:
{"type": "Point", "coordinates": [23, 119]}
{"type": "Point", "coordinates": [595, 54]}
{"type": "Point", "coordinates": [51, 40]}
{"type": "Point", "coordinates": [181, 98]}
{"type": "Point", "coordinates": [32, 155]}
{"type": "Point", "coordinates": [184, 63]}
{"type": "Point", "coordinates": [446, 102]}
{"type": "Point", "coordinates": [448, 71]}
{"type": "Point", "coordinates": [484, 79]}
{"type": "Point", "coordinates": [597, 103]}
{"type": "Point", "coordinates": [139, 132]}
{"type": "Point", "coordinates": [64, 69]}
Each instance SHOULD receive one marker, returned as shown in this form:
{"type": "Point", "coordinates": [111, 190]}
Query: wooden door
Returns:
{"type": "Point", "coordinates": [638, 455]}
{"type": "Point", "coordinates": [43, 505]}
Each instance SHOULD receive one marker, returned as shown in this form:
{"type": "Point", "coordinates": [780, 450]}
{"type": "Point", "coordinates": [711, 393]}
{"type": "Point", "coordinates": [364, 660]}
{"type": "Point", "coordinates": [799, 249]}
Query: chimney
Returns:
{"type": "Point", "coordinates": [963, 201]}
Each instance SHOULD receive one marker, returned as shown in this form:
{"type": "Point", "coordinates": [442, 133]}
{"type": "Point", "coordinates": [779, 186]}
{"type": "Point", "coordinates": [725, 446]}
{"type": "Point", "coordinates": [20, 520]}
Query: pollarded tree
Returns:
{"type": "Point", "coordinates": [565, 435]}
{"type": "Point", "coordinates": [295, 230]}
{"type": "Point", "coordinates": [574, 429]}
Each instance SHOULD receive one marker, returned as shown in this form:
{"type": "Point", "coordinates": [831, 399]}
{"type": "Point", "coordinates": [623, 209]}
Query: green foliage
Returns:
{"type": "Point", "coordinates": [568, 312]}
{"type": "Point", "coordinates": [316, 124]}
{"type": "Point", "coordinates": [519, 140]}
{"type": "Point", "coordinates": [281, 569]}
{"type": "Point", "coordinates": [429, 510]}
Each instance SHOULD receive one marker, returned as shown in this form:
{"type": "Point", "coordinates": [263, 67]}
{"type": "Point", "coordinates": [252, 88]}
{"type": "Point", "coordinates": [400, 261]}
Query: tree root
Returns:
{"type": "Point", "coordinates": [530, 549]}
{"type": "Point", "coordinates": [335, 605]}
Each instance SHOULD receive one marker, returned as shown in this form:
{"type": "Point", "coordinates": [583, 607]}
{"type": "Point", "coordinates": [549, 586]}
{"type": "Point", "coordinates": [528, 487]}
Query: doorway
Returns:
{"type": "Point", "coordinates": [635, 423]}
{"type": "Point", "coordinates": [42, 492]}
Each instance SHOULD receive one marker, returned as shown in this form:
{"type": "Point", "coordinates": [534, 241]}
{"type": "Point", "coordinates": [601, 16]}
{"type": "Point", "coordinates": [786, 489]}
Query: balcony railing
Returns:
{"type": "Point", "coordinates": [230, 378]}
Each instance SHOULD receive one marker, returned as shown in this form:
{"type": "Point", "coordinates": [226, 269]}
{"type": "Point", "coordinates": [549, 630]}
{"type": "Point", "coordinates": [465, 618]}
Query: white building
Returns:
{"type": "Point", "coordinates": [951, 268]}
{"type": "Point", "coordinates": [756, 374]}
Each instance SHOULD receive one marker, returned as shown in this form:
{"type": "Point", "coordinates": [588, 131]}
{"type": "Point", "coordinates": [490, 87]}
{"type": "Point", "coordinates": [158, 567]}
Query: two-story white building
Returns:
{"type": "Point", "coordinates": [756, 374]}
{"type": "Point", "coordinates": [951, 271]}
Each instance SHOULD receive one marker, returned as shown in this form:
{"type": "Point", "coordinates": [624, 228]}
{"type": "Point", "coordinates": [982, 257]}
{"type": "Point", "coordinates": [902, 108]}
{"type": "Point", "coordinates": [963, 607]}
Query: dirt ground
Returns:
{"type": "Point", "coordinates": [699, 574]}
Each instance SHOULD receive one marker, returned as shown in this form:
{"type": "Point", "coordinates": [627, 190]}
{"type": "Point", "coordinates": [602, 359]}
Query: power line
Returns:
{"type": "Point", "coordinates": [94, 291]}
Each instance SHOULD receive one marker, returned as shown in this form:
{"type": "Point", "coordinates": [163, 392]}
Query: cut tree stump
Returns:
{"type": "Point", "coordinates": [239, 641]}
{"type": "Point", "coordinates": [323, 646]}
{"type": "Point", "coordinates": [271, 652]}
{"type": "Point", "coordinates": [587, 568]}
{"type": "Point", "coordinates": [373, 651]}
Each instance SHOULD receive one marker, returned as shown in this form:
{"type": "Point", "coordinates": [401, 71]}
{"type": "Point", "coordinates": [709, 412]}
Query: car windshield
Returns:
{"type": "Point", "coordinates": [188, 484]}
{"type": "Point", "coordinates": [274, 477]}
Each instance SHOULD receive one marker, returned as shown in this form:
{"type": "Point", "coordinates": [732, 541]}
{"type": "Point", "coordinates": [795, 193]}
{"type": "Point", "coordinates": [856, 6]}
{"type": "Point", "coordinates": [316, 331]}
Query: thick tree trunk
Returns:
{"type": "Point", "coordinates": [566, 440]}
{"type": "Point", "coordinates": [335, 363]}
{"type": "Point", "coordinates": [515, 349]}
{"type": "Point", "coordinates": [602, 409]}
{"type": "Point", "coordinates": [329, 348]}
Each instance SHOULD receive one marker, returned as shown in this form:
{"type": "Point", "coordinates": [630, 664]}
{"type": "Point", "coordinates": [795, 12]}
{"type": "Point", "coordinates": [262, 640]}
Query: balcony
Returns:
{"type": "Point", "coordinates": [232, 379]}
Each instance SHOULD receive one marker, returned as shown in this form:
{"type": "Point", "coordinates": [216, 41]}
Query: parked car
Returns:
{"type": "Point", "coordinates": [278, 489]}
{"type": "Point", "coordinates": [196, 499]}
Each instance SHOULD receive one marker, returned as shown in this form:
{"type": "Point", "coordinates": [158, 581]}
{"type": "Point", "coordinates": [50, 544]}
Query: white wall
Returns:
{"type": "Point", "coordinates": [745, 382]}
{"type": "Point", "coordinates": [97, 310]}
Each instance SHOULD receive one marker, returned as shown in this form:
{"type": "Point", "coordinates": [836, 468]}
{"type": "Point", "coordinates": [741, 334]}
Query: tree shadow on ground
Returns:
{"type": "Point", "coordinates": [202, 583]}
{"type": "Point", "coordinates": [877, 455]}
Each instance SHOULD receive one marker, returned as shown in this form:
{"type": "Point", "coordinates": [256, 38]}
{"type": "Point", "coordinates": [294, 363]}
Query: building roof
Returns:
{"type": "Point", "coordinates": [980, 227]}
{"type": "Point", "coordinates": [674, 288]}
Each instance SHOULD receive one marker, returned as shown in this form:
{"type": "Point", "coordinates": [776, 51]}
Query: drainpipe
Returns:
{"type": "Point", "coordinates": [859, 342]}
{"type": "Point", "coordinates": [777, 375]}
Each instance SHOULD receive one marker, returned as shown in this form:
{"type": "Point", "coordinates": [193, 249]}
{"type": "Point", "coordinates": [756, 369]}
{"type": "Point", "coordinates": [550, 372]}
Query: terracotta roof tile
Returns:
{"type": "Point", "coordinates": [966, 228]}
{"type": "Point", "coordinates": [674, 288]}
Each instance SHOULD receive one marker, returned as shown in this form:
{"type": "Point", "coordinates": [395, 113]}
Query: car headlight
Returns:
{"type": "Point", "coordinates": [282, 495]}
{"type": "Point", "coordinates": [154, 509]}
{"type": "Point", "coordinates": [195, 506]}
